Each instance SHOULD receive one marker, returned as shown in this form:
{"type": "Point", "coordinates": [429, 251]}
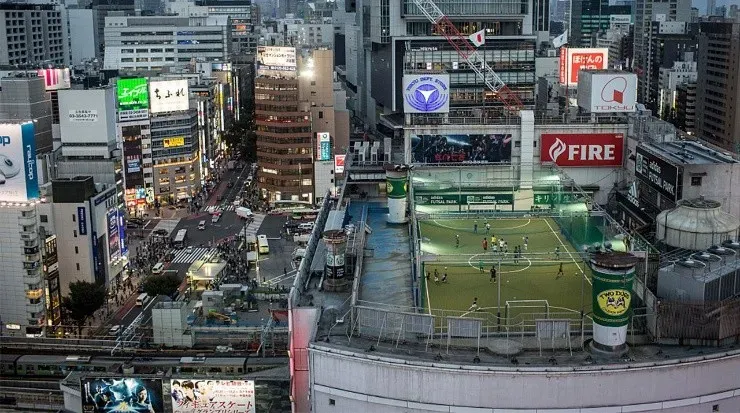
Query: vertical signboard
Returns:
{"type": "Point", "coordinates": [339, 163]}
{"type": "Point", "coordinates": [573, 60]}
{"type": "Point", "coordinates": [212, 396]}
{"type": "Point", "coordinates": [169, 96]}
{"type": "Point", "coordinates": [323, 146]}
{"type": "Point", "coordinates": [121, 394]}
{"type": "Point", "coordinates": [18, 178]}
{"type": "Point", "coordinates": [122, 233]}
{"type": "Point", "coordinates": [133, 99]}
{"type": "Point", "coordinates": [82, 220]}
{"type": "Point", "coordinates": [132, 165]}
{"type": "Point", "coordinates": [114, 245]}
{"type": "Point", "coordinates": [657, 173]}
{"type": "Point", "coordinates": [55, 79]}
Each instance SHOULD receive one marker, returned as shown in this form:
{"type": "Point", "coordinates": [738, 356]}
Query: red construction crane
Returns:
{"type": "Point", "coordinates": [469, 53]}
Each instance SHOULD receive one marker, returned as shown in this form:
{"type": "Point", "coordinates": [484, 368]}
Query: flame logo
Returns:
{"type": "Point", "coordinates": [556, 149]}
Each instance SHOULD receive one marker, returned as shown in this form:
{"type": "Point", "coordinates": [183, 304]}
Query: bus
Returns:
{"type": "Point", "coordinates": [304, 215]}
{"type": "Point", "coordinates": [286, 206]}
{"type": "Point", "coordinates": [262, 244]}
{"type": "Point", "coordinates": [142, 299]}
{"type": "Point", "coordinates": [179, 240]}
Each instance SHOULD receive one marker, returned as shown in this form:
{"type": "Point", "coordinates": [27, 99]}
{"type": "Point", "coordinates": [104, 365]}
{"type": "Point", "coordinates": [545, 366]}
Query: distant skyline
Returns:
{"type": "Point", "coordinates": [702, 4]}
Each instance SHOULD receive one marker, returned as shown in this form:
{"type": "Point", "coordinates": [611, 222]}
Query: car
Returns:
{"type": "Point", "coordinates": [132, 225]}
{"type": "Point", "coordinates": [115, 330]}
{"type": "Point", "coordinates": [161, 232]}
{"type": "Point", "coordinates": [189, 249]}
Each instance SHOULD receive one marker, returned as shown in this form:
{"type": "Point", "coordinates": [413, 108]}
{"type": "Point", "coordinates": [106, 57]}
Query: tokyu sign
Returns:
{"type": "Point", "coordinates": [582, 149]}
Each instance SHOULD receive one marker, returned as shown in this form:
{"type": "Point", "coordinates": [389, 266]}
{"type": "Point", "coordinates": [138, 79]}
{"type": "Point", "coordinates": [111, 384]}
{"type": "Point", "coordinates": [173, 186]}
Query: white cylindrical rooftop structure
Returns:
{"type": "Point", "coordinates": [696, 224]}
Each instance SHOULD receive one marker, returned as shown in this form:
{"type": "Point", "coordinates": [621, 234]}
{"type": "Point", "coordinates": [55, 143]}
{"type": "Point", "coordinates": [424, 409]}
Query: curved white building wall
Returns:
{"type": "Point", "coordinates": [343, 381]}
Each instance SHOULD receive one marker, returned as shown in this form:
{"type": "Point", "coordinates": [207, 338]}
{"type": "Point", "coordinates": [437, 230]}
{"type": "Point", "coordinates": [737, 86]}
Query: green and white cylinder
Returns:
{"type": "Point", "coordinates": [613, 274]}
{"type": "Point", "coordinates": [396, 188]}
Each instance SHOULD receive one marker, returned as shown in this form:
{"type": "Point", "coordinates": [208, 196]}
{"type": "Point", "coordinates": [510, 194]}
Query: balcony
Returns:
{"type": "Point", "coordinates": [35, 307]}
{"type": "Point", "coordinates": [32, 276]}
{"type": "Point", "coordinates": [27, 219]}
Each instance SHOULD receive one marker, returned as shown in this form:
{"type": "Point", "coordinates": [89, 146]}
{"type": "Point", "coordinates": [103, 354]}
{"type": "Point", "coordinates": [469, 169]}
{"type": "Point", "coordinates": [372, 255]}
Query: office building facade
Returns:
{"type": "Point", "coordinates": [24, 97]}
{"type": "Point", "coordinates": [175, 156]}
{"type": "Point", "coordinates": [33, 34]}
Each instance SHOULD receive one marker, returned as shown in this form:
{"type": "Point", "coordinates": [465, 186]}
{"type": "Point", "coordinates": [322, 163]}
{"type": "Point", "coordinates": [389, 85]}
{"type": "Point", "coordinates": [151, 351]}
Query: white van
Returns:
{"type": "Point", "coordinates": [215, 218]}
{"type": "Point", "coordinates": [158, 267]}
{"type": "Point", "coordinates": [306, 226]}
{"type": "Point", "coordinates": [115, 330]}
{"type": "Point", "coordinates": [202, 225]}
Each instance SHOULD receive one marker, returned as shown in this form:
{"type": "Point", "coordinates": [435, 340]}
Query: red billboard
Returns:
{"type": "Point", "coordinates": [582, 149]}
{"type": "Point", "coordinates": [574, 60]}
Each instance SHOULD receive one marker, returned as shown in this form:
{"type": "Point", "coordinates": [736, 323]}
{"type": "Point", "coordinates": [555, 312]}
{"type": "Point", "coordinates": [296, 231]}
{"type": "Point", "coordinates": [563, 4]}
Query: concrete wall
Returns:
{"type": "Point", "coordinates": [77, 248]}
{"type": "Point", "coordinates": [719, 182]}
{"type": "Point", "coordinates": [362, 383]}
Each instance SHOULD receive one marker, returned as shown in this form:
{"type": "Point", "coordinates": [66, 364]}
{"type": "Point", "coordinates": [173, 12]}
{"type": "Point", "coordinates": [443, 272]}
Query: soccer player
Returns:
{"type": "Point", "coordinates": [457, 241]}
{"type": "Point", "coordinates": [526, 243]}
{"type": "Point", "coordinates": [485, 244]}
{"type": "Point", "coordinates": [429, 275]}
{"type": "Point", "coordinates": [560, 271]}
{"type": "Point", "coordinates": [493, 275]}
{"type": "Point", "coordinates": [480, 266]}
{"type": "Point", "coordinates": [444, 278]}
{"type": "Point", "coordinates": [501, 243]}
{"type": "Point", "coordinates": [493, 239]}
{"type": "Point", "coordinates": [488, 227]}
{"type": "Point", "coordinates": [557, 253]}
{"type": "Point", "coordinates": [436, 278]}
{"type": "Point", "coordinates": [474, 306]}
{"type": "Point", "coordinates": [475, 227]}
{"type": "Point", "coordinates": [436, 273]}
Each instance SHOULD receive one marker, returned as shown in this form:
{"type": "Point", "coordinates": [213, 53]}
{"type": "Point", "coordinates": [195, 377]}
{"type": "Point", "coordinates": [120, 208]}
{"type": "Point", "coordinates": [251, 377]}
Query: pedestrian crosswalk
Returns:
{"type": "Point", "coordinates": [213, 208]}
{"type": "Point", "coordinates": [254, 226]}
{"type": "Point", "coordinates": [183, 257]}
{"type": "Point", "coordinates": [168, 225]}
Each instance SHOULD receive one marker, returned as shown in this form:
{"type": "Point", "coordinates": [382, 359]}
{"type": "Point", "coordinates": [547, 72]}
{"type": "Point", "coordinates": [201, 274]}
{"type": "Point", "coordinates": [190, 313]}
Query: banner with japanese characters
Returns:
{"type": "Point", "coordinates": [169, 96]}
{"type": "Point", "coordinates": [212, 396]}
{"type": "Point", "coordinates": [573, 60]}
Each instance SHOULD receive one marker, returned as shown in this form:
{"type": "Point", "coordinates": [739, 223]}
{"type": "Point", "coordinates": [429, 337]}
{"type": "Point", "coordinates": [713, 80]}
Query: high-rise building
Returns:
{"type": "Point", "coordinates": [101, 9]}
{"type": "Point", "coordinates": [33, 34]}
{"type": "Point", "coordinates": [83, 34]}
{"type": "Point", "coordinates": [686, 107]}
{"type": "Point", "coordinates": [284, 139]}
{"type": "Point", "coordinates": [176, 156]}
{"type": "Point", "coordinates": [711, 7]}
{"type": "Point", "coordinates": [589, 18]}
{"type": "Point", "coordinates": [647, 11]}
{"type": "Point", "coordinates": [24, 97]}
{"type": "Point", "coordinates": [668, 42]}
{"type": "Point", "coordinates": [135, 44]}
{"type": "Point", "coordinates": [682, 72]}
{"type": "Point", "coordinates": [718, 85]}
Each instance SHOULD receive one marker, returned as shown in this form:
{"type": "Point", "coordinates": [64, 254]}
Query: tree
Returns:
{"type": "Point", "coordinates": [163, 284]}
{"type": "Point", "coordinates": [84, 300]}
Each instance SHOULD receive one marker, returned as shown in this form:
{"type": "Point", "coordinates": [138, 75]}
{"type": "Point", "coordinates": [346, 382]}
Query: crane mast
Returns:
{"type": "Point", "coordinates": [470, 54]}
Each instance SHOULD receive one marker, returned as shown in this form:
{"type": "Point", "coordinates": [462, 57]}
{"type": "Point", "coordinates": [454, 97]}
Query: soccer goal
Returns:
{"type": "Point", "coordinates": [524, 312]}
{"type": "Point", "coordinates": [484, 208]}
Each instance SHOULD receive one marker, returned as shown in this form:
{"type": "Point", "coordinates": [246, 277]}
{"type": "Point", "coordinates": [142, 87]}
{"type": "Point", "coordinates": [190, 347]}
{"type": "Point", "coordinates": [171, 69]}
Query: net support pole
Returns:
{"type": "Point", "coordinates": [500, 280]}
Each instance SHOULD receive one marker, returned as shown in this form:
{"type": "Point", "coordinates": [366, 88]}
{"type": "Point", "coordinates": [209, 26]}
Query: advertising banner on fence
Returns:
{"type": "Point", "coordinates": [582, 149]}
{"type": "Point", "coordinates": [276, 58]}
{"type": "Point", "coordinates": [169, 96]}
{"type": "Point", "coordinates": [119, 395]}
{"type": "Point", "coordinates": [133, 99]}
{"type": "Point", "coordinates": [657, 173]}
{"type": "Point", "coordinates": [426, 93]}
{"type": "Point", "coordinates": [464, 199]}
{"type": "Point", "coordinates": [573, 60]}
{"type": "Point", "coordinates": [493, 148]}
{"type": "Point", "coordinates": [18, 177]}
{"type": "Point", "coordinates": [212, 396]}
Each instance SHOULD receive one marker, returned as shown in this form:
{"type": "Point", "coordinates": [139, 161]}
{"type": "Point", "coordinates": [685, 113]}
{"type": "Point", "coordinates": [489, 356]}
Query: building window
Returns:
{"type": "Point", "coordinates": [715, 407]}
{"type": "Point", "coordinates": [321, 115]}
{"type": "Point", "coordinates": [74, 232]}
{"type": "Point", "coordinates": [77, 250]}
{"type": "Point", "coordinates": [78, 266]}
{"type": "Point", "coordinates": [44, 218]}
{"type": "Point", "coordinates": [332, 402]}
{"type": "Point", "coordinates": [74, 218]}
{"type": "Point", "coordinates": [696, 181]}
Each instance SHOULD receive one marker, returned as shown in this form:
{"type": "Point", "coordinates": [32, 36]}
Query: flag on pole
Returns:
{"type": "Point", "coordinates": [478, 38]}
{"type": "Point", "coordinates": [560, 40]}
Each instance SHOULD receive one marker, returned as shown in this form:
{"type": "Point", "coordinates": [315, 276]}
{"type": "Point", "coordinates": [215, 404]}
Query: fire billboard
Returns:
{"type": "Point", "coordinates": [133, 99]}
{"type": "Point", "coordinates": [492, 148]}
{"type": "Point", "coordinates": [169, 96]}
{"type": "Point", "coordinates": [426, 93]}
{"type": "Point", "coordinates": [118, 395]}
{"type": "Point", "coordinates": [132, 157]}
{"type": "Point", "coordinates": [657, 173]}
{"type": "Point", "coordinates": [607, 91]}
{"type": "Point", "coordinates": [574, 60]}
{"type": "Point", "coordinates": [212, 396]}
{"type": "Point", "coordinates": [582, 149]}
{"type": "Point", "coordinates": [55, 79]}
{"type": "Point", "coordinates": [339, 163]}
{"type": "Point", "coordinates": [18, 175]}
{"type": "Point", "coordinates": [323, 146]}
{"type": "Point", "coordinates": [276, 58]}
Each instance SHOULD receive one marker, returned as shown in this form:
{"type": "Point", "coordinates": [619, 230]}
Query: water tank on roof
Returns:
{"type": "Point", "coordinates": [696, 224]}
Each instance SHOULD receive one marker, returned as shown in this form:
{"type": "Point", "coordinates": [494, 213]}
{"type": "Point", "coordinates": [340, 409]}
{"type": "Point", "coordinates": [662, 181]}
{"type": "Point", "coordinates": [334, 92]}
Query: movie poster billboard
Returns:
{"type": "Point", "coordinates": [212, 396]}
{"type": "Point", "coordinates": [114, 244]}
{"type": "Point", "coordinates": [489, 148]}
{"type": "Point", "coordinates": [118, 395]}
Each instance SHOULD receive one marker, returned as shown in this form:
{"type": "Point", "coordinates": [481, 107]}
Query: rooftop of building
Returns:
{"type": "Point", "coordinates": [688, 152]}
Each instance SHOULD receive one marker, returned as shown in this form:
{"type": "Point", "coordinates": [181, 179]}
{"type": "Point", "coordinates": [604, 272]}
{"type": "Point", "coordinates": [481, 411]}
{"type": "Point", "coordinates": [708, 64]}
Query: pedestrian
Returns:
{"type": "Point", "coordinates": [485, 244]}
{"type": "Point", "coordinates": [560, 271]}
{"type": "Point", "coordinates": [457, 241]}
{"type": "Point", "coordinates": [480, 266]}
{"type": "Point", "coordinates": [474, 306]}
{"type": "Point", "coordinates": [493, 275]}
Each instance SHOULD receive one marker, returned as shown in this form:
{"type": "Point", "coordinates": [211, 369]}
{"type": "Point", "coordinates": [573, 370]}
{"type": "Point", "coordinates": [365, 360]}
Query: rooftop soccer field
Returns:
{"type": "Point", "coordinates": [527, 278]}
